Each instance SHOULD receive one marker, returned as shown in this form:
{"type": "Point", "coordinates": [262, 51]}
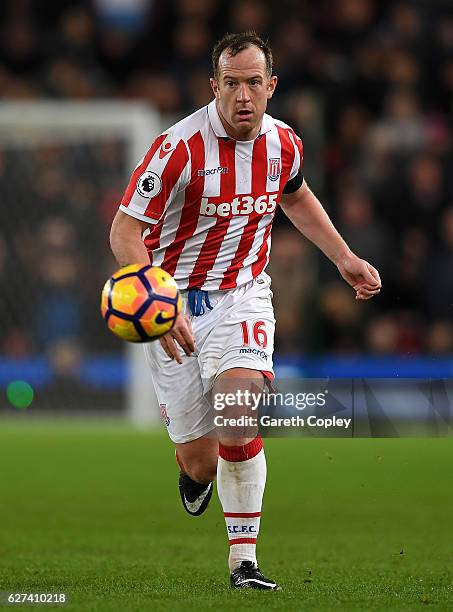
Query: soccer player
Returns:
{"type": "Point", "coordinates": [200, 204]}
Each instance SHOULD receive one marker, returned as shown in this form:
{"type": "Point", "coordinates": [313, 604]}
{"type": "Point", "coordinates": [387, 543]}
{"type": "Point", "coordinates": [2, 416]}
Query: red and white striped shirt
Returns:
{"type": "Point", "coordinates": [210, 200]}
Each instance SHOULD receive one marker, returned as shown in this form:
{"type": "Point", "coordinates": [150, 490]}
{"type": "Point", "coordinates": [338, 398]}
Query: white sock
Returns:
{"type": "Point", "coordinates": [241, 478]}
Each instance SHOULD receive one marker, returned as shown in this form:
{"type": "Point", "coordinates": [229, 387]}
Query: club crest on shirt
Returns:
{"type": "Point", "coordinates": [274, 168]}
{"type": "Point", "coordinates": [149, 185]}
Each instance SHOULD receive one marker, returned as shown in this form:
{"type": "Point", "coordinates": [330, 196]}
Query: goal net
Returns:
{"type": "Point", "coordinates": [63, 168]}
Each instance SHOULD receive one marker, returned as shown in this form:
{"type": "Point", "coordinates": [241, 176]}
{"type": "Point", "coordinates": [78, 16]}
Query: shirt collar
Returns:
{"type": "Point", "coordinates": [267, 123]}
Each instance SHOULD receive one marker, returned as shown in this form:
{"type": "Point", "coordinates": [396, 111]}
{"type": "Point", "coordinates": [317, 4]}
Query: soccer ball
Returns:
{"type": "Point", "coordinates": [140, 303]}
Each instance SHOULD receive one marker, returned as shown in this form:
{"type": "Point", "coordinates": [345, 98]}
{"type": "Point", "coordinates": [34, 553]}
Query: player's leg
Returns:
{"type": "Point", "coordinates": [237, 352]}
{"type": "Point", "coordinates": [198, 458]}
{"type": "Point", "coordinates": [241, 477]}
{"type": "Point", "coordinates": [188, 418]}
{"type": "Point", "coordinates": [198, 464]}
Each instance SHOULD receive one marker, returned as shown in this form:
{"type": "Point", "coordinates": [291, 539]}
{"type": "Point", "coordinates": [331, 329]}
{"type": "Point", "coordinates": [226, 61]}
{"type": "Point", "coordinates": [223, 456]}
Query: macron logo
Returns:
{"type": "Point", "coordinates": [218, 170]}
{"type": "Point", "coordinates": [165, 149]}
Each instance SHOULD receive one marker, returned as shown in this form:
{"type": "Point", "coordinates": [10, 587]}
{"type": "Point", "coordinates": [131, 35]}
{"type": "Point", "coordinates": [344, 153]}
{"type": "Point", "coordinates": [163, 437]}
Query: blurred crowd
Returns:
{"type": "Point", "coordinates": [368, 84]}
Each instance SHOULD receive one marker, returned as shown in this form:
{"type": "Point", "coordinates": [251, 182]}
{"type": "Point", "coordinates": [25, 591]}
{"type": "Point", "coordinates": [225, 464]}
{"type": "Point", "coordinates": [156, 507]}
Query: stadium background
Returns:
{"type": "Point", "coordinates": [90, 506]}
{"type": "Point", "coordinates": [368, 85]}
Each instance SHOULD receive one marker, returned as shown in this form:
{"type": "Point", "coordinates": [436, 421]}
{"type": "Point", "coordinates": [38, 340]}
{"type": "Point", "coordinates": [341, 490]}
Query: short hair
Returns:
{"type": "Point", "coordinates": [235, 43]}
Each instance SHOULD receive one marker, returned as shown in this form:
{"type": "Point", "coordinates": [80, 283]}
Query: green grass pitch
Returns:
{"type": "Point", "coordinates": [93, 510]}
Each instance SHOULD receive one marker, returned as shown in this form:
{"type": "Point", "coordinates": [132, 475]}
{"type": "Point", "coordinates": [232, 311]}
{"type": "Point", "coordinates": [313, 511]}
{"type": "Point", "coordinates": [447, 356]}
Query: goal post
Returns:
{"type": "Point", "coordinates": [31, 126]}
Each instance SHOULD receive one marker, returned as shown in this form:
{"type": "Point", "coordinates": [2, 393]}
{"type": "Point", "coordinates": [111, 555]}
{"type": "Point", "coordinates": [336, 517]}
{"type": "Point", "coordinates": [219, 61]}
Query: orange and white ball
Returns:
{"type": "Point", "coordinates": [140, 303]}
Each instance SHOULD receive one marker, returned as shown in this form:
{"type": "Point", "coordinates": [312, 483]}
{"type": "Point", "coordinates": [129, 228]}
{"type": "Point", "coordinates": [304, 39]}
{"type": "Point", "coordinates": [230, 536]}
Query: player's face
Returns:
{"type": "Point", "coordinates": [242, 89]}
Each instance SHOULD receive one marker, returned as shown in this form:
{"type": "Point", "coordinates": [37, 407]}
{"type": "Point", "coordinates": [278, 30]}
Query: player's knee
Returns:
{"type": "Point", "coordinates": [239, 441]}
{"type": "Point", "coordinates": [202, 471]}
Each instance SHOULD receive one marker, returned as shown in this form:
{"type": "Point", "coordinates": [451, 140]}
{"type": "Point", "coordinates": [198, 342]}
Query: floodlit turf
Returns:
{"type": "Point", "coordinates": [347, 524]}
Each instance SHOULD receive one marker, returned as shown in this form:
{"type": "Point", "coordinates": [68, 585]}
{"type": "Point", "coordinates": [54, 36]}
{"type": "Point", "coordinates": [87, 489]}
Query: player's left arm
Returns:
{"type": "Point", "coordinates": [307, 214]}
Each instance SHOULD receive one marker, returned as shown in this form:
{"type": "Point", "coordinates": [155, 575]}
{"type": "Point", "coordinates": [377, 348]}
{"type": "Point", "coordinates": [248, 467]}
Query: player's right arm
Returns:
{"type": "Point", "coordinates": [150, 190]}
{"type": "Point", "coordinates": [128, 247]}
{"type": "Point", "coordinates": [126, 239]}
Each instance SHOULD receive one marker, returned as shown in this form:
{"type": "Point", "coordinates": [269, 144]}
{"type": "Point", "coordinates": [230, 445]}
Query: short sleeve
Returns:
{"type": "Point", "coordinates": [157, 178]}
{"type": "Point", "coordinates": [296, 177]}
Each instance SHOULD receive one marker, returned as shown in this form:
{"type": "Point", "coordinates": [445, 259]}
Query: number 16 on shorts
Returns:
{"type": "Point", "coordinates": [257, 344]}
{"type": "Point", "coordinates": [257, 331]}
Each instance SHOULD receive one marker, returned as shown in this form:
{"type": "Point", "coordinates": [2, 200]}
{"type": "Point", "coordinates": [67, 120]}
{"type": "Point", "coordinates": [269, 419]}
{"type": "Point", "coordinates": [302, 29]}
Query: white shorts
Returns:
{"type": "Point", "coordinates": [237, 333]}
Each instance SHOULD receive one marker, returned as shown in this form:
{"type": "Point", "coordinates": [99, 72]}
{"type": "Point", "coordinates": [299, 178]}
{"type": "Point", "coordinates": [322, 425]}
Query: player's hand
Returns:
{"type": "Point", "coordinates": [361, 276]}
{"type": "Point", "coordinates": [181, 333]}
